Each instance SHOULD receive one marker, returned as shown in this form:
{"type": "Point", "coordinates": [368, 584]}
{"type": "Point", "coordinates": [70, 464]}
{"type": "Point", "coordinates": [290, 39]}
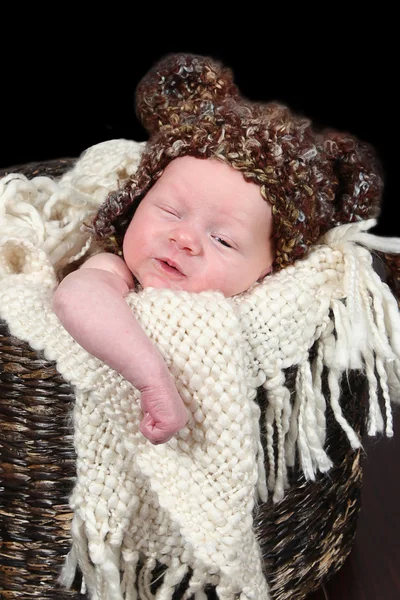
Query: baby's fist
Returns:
{"type": "Point", "coordinates": [164, 413]}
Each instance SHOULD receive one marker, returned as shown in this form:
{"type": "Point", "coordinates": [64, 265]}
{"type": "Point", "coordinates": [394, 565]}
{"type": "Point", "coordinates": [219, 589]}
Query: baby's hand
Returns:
{"type": "Point", "coordinates": [164, 412]}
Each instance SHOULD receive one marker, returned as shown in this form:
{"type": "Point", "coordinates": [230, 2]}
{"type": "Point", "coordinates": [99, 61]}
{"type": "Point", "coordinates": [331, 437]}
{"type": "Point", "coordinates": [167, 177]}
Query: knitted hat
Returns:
{"type": "Point", "coordinates": [313, 180]}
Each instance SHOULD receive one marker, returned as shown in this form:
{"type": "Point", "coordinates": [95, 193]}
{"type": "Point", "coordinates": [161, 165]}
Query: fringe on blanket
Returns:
{"type": "Point", "coordinates": [362, 333]}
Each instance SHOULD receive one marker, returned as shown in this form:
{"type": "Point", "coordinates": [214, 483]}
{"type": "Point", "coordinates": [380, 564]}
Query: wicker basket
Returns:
{"type": "Point", "coordinates": [304, 539]}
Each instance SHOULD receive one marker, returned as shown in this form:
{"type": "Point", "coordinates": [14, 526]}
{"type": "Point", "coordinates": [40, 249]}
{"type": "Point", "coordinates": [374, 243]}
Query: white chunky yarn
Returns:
{"type": "Point", "coordinates": [188, 504]}
{"type": "Point", "coordinates": [50, 213]}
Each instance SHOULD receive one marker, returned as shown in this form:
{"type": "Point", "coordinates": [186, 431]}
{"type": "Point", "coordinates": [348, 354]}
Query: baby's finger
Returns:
{"type": "Point", "coordinates": [152, 432]}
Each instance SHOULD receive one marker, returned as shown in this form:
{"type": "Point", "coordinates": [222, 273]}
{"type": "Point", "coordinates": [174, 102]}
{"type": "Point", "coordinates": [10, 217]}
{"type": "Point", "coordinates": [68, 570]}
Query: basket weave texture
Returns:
{"type": "Point", "coordinates": [304, 539]}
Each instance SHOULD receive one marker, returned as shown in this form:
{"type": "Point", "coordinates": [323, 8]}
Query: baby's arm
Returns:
{"type": "Point", "coordinates": [91, 305]}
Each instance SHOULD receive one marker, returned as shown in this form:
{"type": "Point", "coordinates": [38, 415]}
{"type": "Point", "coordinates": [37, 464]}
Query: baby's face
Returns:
{"type": "Point", "coordinates": [200, 227]}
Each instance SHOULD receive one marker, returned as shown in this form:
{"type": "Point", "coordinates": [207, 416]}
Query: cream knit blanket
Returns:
{"type": "Point", "coordinates": [189, 504]}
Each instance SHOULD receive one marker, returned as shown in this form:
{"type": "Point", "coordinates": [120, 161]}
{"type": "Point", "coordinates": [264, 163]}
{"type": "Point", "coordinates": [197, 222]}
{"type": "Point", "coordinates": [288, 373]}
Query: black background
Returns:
{"type": "Point", "coordinates": [69, 83]}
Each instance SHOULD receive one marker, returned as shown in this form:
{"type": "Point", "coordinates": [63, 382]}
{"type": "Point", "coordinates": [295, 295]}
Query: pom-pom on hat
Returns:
{"type": "Point", "coordinates": [313, 180]}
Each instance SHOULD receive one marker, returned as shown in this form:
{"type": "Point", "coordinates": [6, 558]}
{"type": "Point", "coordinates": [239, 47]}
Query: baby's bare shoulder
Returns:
{"type": "Point", "coordinates": [107, 261]}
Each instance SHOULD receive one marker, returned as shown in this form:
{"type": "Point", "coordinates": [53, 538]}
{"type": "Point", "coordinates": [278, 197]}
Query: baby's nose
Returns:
{"type": "Point", "coordinates": [186, 238]}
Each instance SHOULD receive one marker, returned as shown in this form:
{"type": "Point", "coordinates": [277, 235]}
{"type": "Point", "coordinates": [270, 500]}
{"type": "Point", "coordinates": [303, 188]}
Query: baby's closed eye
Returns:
{"type": "Point", "coordinates": [228, 243]}
{"type": "Point", "coordinates": [169, 210]}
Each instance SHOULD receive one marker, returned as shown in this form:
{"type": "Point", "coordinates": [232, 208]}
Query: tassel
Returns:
{"type": "Point", "coordinates": [385, 393]}
{"type": "Point", "coordinates": [173, 576]}
{"type": "Point", "coordinates": [80, 555]}
{"type": "Point", "coordinates": [302, 442]}
{"type": "Point", "coordinates": [262, 488]}
{"type": "Point", "coordinates": [277, 417]}
{"type": "Point", "coordinates": [129, 565]}
{"type": "Point", "coordinates": [320, 403]}
{"type": "Point", "coordinates": [197, 583]}
{"type": "Point", "coordinates": [291, 439]}
{"type": "Point", "coordinates": [334, 377]}
{"type": "Point", "coordinates": [68, 570]}
{"type": "Point", "coordinates": [309, 425]}
{"type": "Point", "coordinates": [144, 580]}
{"type": "Point", "coordinates": [375, 419]}
{"type": "Point", "coordinates": [110, 574]}
{"type": "Point", "coordinates": [282, 419]}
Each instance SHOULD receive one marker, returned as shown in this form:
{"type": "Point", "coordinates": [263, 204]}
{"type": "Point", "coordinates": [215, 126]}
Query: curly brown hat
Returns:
{"type": "Point", "coordinates": [313, 180]}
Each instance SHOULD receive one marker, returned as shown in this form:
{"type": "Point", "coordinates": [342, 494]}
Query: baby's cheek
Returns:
{"type": "Point", "coordinates": [236, 278]}
{"type": "Point", "coordinates": [132, 247]}
{"type": "Point", "coordinates": [217, 279]}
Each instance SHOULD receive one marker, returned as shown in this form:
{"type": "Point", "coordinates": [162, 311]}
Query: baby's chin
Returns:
{"type": "Point", "coordinates": [158, 283]}
{"type": "Point", "coordinates": [161, 281]}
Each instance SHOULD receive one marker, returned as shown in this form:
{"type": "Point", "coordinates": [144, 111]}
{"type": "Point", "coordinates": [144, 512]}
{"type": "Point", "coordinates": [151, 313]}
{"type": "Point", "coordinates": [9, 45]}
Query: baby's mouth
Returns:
{"type": "Point", "coordinates": [170, 267]}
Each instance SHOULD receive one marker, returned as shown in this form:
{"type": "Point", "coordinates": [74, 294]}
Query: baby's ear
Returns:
{"type": "Point", "coordinates": [182, 88]}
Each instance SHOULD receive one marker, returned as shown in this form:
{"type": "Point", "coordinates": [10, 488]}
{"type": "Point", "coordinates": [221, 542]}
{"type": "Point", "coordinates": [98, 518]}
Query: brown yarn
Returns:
{"type": "Point", "coordinates": [313, 180]}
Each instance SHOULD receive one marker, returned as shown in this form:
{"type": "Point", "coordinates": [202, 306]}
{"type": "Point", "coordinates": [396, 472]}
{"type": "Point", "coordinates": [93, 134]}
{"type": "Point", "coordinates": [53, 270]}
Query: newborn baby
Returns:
{"type": "Point", "coordinates": [201, 227]}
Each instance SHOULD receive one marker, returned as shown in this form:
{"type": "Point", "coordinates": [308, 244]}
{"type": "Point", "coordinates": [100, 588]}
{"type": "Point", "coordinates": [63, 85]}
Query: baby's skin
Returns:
{"type": "Point", "coordinates": [200, 227]}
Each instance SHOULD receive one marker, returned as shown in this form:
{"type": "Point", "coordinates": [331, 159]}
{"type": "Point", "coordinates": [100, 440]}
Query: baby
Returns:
{"type": "Point", "coordinates": [201, 227]}
{"type": "Point", "coordinates": [197, 214]}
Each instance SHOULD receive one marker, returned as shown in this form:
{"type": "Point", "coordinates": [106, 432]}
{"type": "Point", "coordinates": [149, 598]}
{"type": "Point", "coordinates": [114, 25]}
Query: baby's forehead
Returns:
{"type": "Point", "coordinates": [208, 177]}
{"type": "Point", "coordinates": [214, 188]}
